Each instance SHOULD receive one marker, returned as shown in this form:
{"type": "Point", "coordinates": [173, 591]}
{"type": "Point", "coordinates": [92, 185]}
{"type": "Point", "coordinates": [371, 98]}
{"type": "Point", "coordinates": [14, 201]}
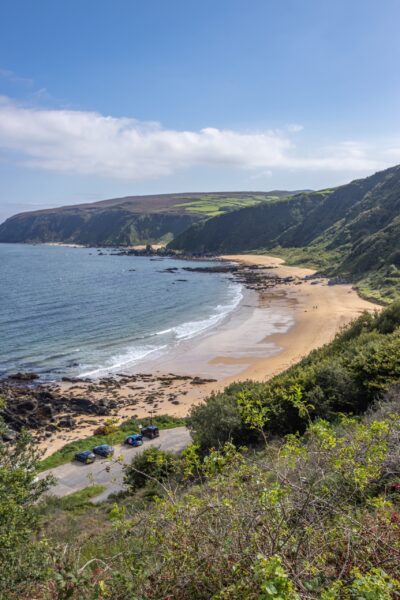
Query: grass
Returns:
{"type": "Point", "coordinates": [76, 502]}
{"type": "Point", "coordinates": [314, 257]}
{"type": "Point", "coordinates": [380, 287]}
{"type": "Point", "coordinates": [212, 206]}
{"type": "Point", "coordinates": [67, 452]}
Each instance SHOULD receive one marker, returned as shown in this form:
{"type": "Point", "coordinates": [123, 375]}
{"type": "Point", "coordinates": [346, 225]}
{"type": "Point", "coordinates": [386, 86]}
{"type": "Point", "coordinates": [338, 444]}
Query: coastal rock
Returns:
{"type": "Point", "coordinates": [81, 404]}
{"type": "Point", "coordinates": [201, 381]}
{"type": "Point", "coordinates": [28, 405]}
{"type": "Point", "coordinates": [66, 422]}
{"type": "Point", "coordinates": [24, 376]}
{"type": "Point", "coordinates": [8, 436]}
{"type": "Point", "coordinates": [229, 268]}
{"type": "Point", "coordinates": [51, 428]}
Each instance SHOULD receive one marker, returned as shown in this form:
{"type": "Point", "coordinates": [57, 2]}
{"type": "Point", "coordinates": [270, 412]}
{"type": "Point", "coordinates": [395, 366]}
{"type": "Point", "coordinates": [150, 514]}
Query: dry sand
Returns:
{"type": "Point", "coordinates": [320, 311]}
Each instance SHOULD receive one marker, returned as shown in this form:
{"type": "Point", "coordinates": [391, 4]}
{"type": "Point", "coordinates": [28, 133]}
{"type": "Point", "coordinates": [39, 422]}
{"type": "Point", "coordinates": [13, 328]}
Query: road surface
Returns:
{"type": "Point", "coordinates": [75, 476]}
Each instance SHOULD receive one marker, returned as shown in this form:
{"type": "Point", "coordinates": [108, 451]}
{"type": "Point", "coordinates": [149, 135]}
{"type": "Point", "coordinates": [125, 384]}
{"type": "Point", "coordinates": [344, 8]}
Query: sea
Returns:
{"type": "Point", "coordinates": [82, 312]}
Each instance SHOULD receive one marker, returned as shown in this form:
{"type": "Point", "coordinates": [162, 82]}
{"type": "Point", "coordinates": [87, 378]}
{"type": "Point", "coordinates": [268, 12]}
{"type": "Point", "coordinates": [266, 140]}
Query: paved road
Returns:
{"type": "Point", "coordinates": [75, 475]}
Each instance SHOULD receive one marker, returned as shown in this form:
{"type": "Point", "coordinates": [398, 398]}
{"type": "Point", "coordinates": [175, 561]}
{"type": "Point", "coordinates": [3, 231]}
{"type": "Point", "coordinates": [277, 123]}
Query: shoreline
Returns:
{"type": "Point", "coordinates": [305, 314]}
{"type": "Point", "coordinates": [335, 307]}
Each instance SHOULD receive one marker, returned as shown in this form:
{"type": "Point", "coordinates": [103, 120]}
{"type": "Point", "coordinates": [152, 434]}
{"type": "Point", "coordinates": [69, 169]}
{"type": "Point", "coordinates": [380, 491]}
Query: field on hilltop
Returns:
{"type": "Point", "coordinates": [129, 220]}
{"type": "Point", "coordinates": [351, 232]}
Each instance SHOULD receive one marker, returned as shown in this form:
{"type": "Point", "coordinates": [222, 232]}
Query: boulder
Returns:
{"type": "Point", "coordinates": [24, 376]}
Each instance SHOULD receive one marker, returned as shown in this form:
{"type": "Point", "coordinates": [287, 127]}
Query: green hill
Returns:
{"type": "Point", "coordinates": [352, 231]}
{"type": "Point", "coordinates": [129, 220]}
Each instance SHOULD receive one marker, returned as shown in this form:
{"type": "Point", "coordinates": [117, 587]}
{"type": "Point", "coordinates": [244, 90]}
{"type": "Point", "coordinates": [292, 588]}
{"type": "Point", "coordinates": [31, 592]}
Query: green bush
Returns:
{"type": "Point", "coordinates": [309, 517]}
{"type": "Point", "coordinates": [218, 420]}
{"type": "Point", "coordinates": [314, 513]}
{"type": "Point", "coordinates": [152, 465]}
{"type": "Point", "coordinates": [22, 557]}
{"type": "Point", "coordinates": [345, 376]}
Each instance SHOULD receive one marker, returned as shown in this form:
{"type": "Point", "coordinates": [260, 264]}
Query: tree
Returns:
{"type": "Point", "coordinates": [151, 465]}
{"type": "Point", "coordinates": [219, 420]}
{"type": "Point", "coordinates": [22, 557]}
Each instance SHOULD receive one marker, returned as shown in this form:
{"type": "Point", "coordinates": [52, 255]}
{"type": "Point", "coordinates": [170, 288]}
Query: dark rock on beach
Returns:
{"type": "Point", "coordinates": [201, 381]}
{"type": "Point", "coordinates": [24, 376]}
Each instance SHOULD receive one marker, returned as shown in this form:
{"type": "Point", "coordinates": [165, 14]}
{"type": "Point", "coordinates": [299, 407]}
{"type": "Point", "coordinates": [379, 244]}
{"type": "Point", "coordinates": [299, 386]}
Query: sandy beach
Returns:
{"type": "Point", "coordinates": [320, 311]}
{"type": "Point", "coordinates": [307, 311]}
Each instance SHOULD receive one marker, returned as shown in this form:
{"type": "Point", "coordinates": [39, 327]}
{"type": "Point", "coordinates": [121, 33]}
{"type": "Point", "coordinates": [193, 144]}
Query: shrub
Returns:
{"type": "Point", "coordinates": [22, 558]}
{"type": "Point", "coordinates": [218, 420]}
{"type": "Point", "coordinates": [109, 426]}
{"type": "Point", "coordinates": [151, 465]}
{"type": "Point", "coordinates": [310, 517]}
{"type": "Point", "coordinates": [345, 376]}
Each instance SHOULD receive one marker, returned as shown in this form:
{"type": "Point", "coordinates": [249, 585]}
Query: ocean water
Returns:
{"type": "Point", "coordinates": [72, 312]}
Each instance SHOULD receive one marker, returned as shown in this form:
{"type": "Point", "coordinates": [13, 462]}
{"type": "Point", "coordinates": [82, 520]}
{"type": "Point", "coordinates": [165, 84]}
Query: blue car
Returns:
{"type": "Point", "coordinates": [134, 440]}
{"type": "Point", "coordinates": [151, 431]}
{"type": "Point", "coordinates": [104, 450]}
{"type": "Point", "coordinates": [86, 457]}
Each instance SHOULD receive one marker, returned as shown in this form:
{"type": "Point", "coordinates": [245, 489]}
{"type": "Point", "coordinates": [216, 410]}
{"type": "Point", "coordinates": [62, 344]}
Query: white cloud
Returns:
{"type": "Point", "coordinates": [89, 143]}
{"type": "Point", "coordinates": [294, 127]}
{"type": "Point", "coordinates": [393, 152]}
{"type": "Point", "coordinates": [14, 78]}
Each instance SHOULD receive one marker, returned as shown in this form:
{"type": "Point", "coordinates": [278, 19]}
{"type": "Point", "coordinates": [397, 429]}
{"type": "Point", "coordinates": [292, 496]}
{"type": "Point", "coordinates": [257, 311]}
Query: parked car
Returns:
{"type": "Point", "coordinates": [104, 450]}
{"type": "Point", "coordinates": [134, 440]}
{"type": "Point", "coordinates": [151, 431]}
{"type": "Point", "coordinates": [86, 456]}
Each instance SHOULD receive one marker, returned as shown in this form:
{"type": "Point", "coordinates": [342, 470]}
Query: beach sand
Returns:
{"type": "Point", "coordinates": [320, 311]}
{"type": "Point", "coordinates": [243, 348]}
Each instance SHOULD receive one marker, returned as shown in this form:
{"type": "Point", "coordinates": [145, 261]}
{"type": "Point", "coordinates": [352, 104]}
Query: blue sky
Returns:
{"type": "Point", "coordinates": [101, 99]}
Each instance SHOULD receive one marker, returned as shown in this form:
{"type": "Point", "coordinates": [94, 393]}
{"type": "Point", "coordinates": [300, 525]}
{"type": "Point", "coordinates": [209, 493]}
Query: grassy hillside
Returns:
{"type": "Point", "coordinates": [309, 510]}
{"type": "Point", "coordinates": [125, 221]}
{"type": "Point", "coordinates": [352, 231]}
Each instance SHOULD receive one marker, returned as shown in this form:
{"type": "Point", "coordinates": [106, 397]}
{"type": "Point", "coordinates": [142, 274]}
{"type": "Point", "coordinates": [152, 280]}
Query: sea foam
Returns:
{"type": "Point", "coordinates": [172, 336]}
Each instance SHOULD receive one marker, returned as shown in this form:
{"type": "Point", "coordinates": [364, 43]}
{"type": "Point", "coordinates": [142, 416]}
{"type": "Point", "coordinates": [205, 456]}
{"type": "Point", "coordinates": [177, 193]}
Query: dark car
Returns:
{"type": "Point", "coordinates": [134, 440]}
{"type": "Point", "coordinates": [104, 450]}
{"type": "Point", "coordinates": [86, 456]}
{"type": "Point", "coordinates": [151, 431]}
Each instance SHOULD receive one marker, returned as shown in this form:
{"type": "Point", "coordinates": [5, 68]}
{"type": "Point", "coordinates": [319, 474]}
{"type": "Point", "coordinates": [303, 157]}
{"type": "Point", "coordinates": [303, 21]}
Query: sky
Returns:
{"type": "Point", "coordinates": [101, 99]}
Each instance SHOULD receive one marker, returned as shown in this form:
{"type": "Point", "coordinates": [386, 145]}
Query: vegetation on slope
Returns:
{"type": "Point", "coordinates": [345, 376]}
{"type": "Point", "coordinates": [212, 205]}
{"type": "Point", "coordinates": [104, 227]}
{"type": "Point", "coordinates": [126, 221]}
{"type": "Point", "coordinates": [309, 517]}
{"type": "Point", "coordinates": [352, 231]}
{"type": "Point", "coordinates": [310, 511]}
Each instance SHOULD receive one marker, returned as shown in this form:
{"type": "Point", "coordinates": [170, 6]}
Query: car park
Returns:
{"type": "Point", "coordinates": [150, 431]}
{"type": "Point", "coordinates": [104, 450]}
{"type": "Point", "coordinates": [134, 440]}
{"type": "Point", "coordinates": [86, 457]}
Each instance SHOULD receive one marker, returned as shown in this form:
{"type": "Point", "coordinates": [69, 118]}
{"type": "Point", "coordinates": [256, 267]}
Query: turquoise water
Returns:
{"type": "Point", "coordinates": [70, 311]}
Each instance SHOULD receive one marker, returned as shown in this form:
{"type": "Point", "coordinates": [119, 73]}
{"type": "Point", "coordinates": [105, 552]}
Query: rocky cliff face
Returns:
{"type": "Point", "coordinates": [128, 220]}
{"type": "Point", "coordinates": [104, 227]}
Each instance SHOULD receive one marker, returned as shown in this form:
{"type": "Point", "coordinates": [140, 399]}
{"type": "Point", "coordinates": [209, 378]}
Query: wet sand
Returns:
{"type": "Point", "coordinates": [271, 330]}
